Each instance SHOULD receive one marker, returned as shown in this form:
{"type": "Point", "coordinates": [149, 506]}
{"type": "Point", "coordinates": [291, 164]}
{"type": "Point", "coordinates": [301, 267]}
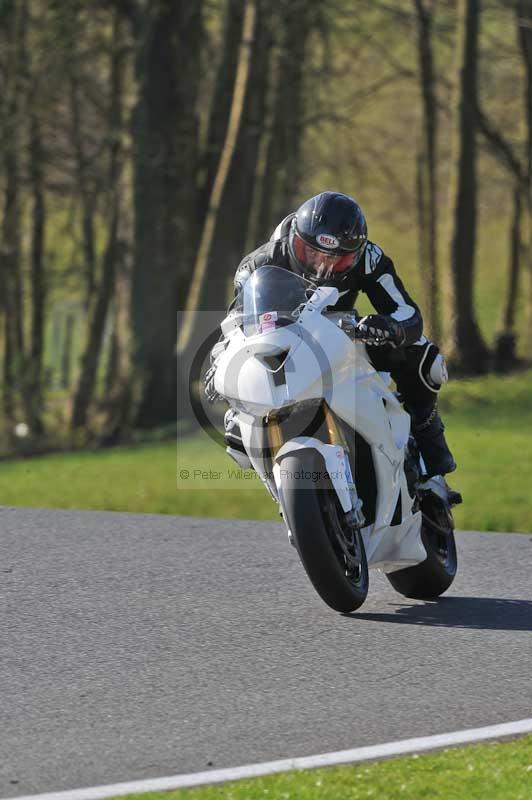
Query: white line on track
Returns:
{"type": "Point", "coordinates": [402, 747]}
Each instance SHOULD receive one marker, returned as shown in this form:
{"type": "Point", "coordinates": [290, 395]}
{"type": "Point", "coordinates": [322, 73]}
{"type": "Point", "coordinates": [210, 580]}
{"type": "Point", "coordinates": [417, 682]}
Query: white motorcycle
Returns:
{"type": "Point", "coordinates": [331, 443]}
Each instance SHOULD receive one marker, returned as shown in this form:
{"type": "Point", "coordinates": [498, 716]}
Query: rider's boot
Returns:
{"type": "Point", "coordinates": [428, 428]}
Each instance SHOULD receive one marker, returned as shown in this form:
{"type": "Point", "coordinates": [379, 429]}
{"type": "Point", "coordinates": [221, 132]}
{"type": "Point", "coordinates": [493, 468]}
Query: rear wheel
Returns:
{"type": "Point", "coordinates": [329, 546]}
{"type": "Point", "coordinates": [431, 578]}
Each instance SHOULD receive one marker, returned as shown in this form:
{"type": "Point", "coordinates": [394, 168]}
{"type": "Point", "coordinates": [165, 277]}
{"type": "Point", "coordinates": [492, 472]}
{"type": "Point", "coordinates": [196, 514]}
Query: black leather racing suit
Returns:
{"type": "Point", "coordinates": [416, 367]}
{"type": "Point", "coordinates": [375, 275]}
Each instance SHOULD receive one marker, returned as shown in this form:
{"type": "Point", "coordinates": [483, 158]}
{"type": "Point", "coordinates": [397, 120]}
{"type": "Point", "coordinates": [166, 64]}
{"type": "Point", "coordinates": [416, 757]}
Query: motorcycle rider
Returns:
{"type": "Point", "coordinates": [326, 241]}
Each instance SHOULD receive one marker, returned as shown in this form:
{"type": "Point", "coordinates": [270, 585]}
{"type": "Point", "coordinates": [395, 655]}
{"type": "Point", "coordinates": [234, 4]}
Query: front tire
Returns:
{"type": "Point", "coordinates": [431, 578]}
{"type": "Point", "coordinates": [331, 551]}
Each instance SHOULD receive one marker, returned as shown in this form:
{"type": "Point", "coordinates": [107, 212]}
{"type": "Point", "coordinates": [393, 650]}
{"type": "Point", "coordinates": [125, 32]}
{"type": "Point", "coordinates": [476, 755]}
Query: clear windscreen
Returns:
{"type": "Point", "coordinates": [272, 298]}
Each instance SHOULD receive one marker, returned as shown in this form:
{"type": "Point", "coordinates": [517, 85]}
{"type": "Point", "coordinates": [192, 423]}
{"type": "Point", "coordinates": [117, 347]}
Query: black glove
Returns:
{"type": "Point", "coordinates": [379, 329]}
{"type": "Point", "coordinates": [208, 381]}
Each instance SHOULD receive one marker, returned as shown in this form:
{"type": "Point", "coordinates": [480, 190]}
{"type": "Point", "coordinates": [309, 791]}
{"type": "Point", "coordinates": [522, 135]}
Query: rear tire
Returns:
{"type": "Point", "coordinates": [431, 578]}
{"type": "Point", "coordinates": [321, 533]}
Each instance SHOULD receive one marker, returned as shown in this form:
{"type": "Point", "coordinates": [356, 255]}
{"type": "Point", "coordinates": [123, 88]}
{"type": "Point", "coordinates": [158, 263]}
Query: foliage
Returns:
{"type": "Point", "coordinates": [124, 169]}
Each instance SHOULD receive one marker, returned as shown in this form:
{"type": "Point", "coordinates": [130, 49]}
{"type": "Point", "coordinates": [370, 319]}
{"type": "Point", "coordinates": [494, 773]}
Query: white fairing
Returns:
{"type": "Point", "coordinates": [334, 458]}
{"type": "Point", "coordinates": [320, 361]}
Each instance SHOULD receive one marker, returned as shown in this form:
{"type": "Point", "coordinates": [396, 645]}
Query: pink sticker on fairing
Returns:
{"type": "Point", "coordinates": [267, 321]}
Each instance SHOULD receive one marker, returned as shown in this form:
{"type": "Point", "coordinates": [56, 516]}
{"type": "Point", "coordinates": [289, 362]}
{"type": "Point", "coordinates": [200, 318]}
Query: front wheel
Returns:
{"type": "Point", "coordinates": [330, 548]}
{"type": "Point", "coordinates": [431, 578]}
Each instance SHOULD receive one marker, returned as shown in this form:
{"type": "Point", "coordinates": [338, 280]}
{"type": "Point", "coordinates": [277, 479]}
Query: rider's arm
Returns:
{"type": "Point", "coordinates": [388, 295]}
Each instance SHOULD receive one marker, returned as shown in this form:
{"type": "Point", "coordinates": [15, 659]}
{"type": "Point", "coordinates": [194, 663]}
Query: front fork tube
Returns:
{"type": "Point", "coordinates": [335, 437]}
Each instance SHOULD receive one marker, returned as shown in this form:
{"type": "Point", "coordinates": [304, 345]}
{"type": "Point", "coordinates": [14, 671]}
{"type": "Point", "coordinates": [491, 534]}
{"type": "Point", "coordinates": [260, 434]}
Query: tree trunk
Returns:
{"type": "Point", "coordinates": [97, 318]}
{"type": "Point", "coordinates": [120, 388]}
{"type": "Point", "coordinates": [111, 368]}
{"type": "Point", "coordinates": [37, 278]}
{"type": "Point", "coordinates": [11, 278]}
{"type": "Point", "coordinates": [524, 21]}
{"type": "Point", "coordinates": [86, 193]}
{"type": "Point", "coordinates": [468, 351]}
{"type": "Point", "coordinates": [231, 227]}
{"type": "Point", "coordinates": [220, 108]}
{"type": "Point", "coordinates": [99, 309]}
{"type": "Point", "coordinates": [267, 207]}
{"type": "Point", "coordinates": [505, 346]}
{"type": "Point", "coordinates": [66, 352]}
{"type": "Point", "coordinates": [8, 383]}
{"type": "Point", "coordinates": [168, 39]}
{"type": "Point", "coordinates": [427, 171]}
{"type": "Point", "coordinates": [298, 23]}
{"type": "Point", "coordinates": [256, 229]}
{"type": "Point", "coordinates": [226, 156]}
{"type": "Point", "coordinates": [12, 31]}
{"type": "Point", "coordinates": [283, 159]}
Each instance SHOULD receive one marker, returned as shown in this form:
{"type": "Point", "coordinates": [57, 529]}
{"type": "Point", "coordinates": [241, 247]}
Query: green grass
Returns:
{"type": "Point", "coordinates": [501, 771]}
{"type": "Point", "coordinates": [123, 479]}
{"type": "Point", "coordinates": [489, 424]}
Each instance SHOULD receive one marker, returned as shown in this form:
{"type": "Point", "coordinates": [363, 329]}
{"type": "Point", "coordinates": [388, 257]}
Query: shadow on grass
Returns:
{"type": "Point", "coordinates": [476, 613]}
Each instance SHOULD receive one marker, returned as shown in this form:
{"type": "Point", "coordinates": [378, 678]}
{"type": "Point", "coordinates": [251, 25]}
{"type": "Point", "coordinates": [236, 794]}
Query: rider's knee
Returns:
{"type": "Point", "coordinates": [433, 368]}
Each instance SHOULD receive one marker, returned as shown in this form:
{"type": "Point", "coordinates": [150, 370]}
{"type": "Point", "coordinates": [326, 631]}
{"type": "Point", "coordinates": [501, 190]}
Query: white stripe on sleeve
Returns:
{"type": "Point", "coordinates": [404, 311]}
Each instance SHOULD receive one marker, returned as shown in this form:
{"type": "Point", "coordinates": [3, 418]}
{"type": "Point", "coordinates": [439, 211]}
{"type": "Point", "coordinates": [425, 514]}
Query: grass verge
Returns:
{"type": "Point", "coordinates": [498, 771]}
{"type": "Point", "coordinates": [489, 424]}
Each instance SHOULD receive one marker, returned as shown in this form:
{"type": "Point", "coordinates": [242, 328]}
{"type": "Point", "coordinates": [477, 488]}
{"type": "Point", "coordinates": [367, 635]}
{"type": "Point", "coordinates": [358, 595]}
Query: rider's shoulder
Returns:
{"type": "Point", "coordinates": [271, 252]}
{"type": "Point", "coordinates": [256, 258]}
{"type": "Point", "coordinates": [283, 227]}
{"type": "Point", "coordinates": [375, 259]}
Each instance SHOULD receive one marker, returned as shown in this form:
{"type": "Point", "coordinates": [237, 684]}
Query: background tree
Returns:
{"type": "Point", "coordinates": [102, 201]}
{"type": "Point", "coordinates": [231, 183]}
{"type": "Point", "coordinates": [187, 344]}
{"type": "Point", "coordinates": [36, 169]}
{"type": "Point", "coordinates": [81, 139]}
{"type": "Point", "coordinates": [13, 20]}
{"type": "Point", "coordinates": [427, 168]}
{"type": "Point", "coordinates": [468, 349]}
{"type": "Point", "coordinates": [524, 22]}
{"type": "Point", "coordinates": [282, 173]}
{"type": "Point", "coordinates": [168, 39]}
{"type": "Point", "coordinates": [103, 295]}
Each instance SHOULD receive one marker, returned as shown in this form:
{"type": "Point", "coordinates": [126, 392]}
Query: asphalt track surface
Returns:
{"type": "Point", "coordinates": [134, 646]}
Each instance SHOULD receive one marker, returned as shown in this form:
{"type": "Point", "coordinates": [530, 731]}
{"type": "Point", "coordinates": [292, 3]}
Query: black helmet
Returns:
{"type": "Point", "coordinates": [327, 237]}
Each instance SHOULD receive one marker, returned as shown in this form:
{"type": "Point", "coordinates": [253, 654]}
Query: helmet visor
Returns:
{"type": "Point", "coordinates": [320, 264]}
